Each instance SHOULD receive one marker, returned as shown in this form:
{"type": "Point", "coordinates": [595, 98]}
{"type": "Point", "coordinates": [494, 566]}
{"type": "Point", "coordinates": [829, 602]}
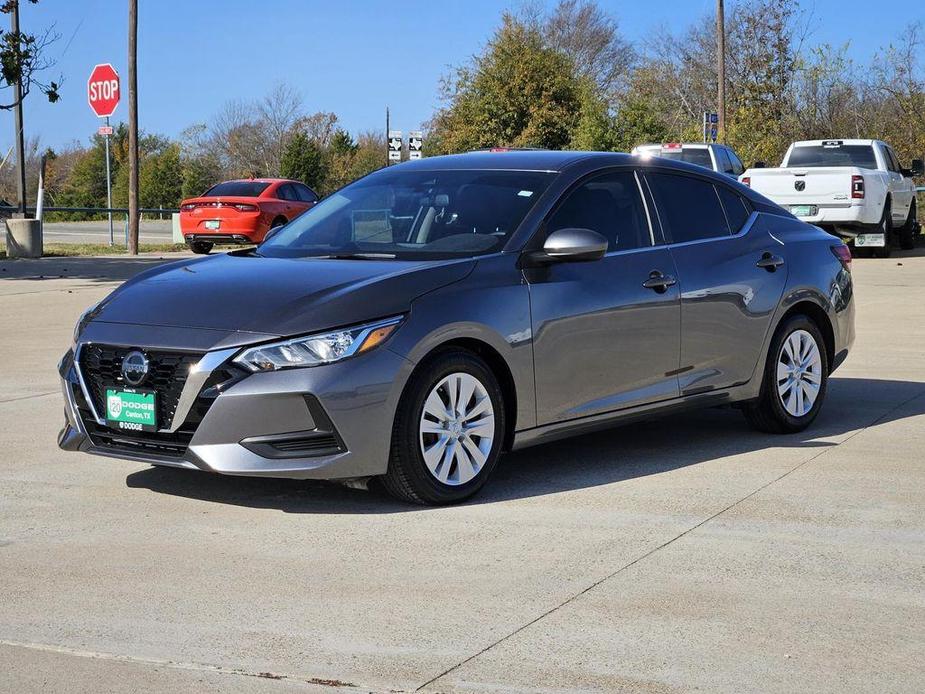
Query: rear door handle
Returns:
{"type": "Point", "coordinates": [770, 262]}
{"type": "Point", "coordinates": [659, 282]}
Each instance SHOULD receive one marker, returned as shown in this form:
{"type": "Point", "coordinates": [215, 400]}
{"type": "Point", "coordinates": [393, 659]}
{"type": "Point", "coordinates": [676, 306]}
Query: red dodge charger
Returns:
{"type": "Point", "coordinates": [242, 211]}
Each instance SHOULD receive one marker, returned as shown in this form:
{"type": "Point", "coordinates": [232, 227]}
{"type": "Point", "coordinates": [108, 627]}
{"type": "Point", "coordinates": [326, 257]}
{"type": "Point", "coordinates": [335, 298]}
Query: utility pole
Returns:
{"type": "Point", "coordinates": [721, 69]}
{"type": "Point", "coordinates": [133, 127]}
{"type": "Point", "coordinates": [17, 94]}
{"type": "Point", "coordinates": [387, 160]}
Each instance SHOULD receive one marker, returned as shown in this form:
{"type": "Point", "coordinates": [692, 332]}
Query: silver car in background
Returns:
{"type": "Point", "coordinates": [419, 322]}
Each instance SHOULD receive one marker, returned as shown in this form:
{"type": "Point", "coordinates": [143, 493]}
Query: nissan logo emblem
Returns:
{"type": "Point", "coordinates": [799, 185]}
{"type": "Point", "coordinates": [134, 368]}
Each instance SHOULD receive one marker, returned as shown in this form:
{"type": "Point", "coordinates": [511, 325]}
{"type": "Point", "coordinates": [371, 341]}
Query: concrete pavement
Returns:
{"type": "Point", "coordinates": [668, 556]}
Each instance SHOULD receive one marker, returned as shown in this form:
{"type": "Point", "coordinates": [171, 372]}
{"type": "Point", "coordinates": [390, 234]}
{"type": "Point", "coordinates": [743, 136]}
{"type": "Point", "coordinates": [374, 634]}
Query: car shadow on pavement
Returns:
{"type": "Point", "coordinates": [607, 457]}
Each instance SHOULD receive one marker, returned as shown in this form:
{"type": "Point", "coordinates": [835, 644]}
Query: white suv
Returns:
{"type": "Point", "coordinates": [718, 158]}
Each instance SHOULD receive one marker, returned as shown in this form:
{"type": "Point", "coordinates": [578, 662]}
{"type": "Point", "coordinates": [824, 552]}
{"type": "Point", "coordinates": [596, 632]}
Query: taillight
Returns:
{"type": "Point", "coordinates": [244, 207]}
{"type": "Point", "coordinates": [746, 181]}
{"type": "Point", "coordinates": [857, 187]}
{"type": "Point", "coordinates": [843, 253]}
{"type": "Point", "coordinates": [189, 207]}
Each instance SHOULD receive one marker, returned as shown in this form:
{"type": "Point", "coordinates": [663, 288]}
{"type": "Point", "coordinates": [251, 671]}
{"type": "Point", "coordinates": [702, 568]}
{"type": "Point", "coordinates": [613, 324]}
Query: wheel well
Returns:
{"type": "Point", "coordinates": [818, 316]}
{"type": "Point", "coordinates": [278, 218]}
{"type": "Point", "coordinates": [499, 368]}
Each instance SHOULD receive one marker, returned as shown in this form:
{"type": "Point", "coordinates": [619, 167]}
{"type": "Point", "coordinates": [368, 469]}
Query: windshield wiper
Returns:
{"type": "Point", "coordinates": [355, 256]}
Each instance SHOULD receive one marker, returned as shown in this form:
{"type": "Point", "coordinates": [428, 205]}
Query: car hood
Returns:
{"type": "Point", "coordinates": [274, 296]}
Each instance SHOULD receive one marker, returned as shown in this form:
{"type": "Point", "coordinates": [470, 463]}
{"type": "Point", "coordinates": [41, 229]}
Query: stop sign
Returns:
{"type": "Point", "coordinates": [103, 90]}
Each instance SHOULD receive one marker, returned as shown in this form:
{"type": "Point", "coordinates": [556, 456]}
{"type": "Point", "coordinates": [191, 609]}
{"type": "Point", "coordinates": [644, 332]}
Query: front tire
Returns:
{"type": "Point", "coordinates": [795, 378]}
{"type": "Point", "coordinates": [448, 431]}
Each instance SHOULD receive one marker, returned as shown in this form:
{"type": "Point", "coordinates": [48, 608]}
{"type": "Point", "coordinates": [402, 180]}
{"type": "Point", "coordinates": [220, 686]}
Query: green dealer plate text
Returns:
{"type": "Point", "coordinates": [131, 410]}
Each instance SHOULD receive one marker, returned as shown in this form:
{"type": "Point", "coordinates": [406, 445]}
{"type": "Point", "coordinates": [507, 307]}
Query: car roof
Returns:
{"type": "Point", "coordinates": [510, 159]}
{"type": "Point", "coordinates": [541, 160]}
{"type": "Point", "coordinates": [702, 145]}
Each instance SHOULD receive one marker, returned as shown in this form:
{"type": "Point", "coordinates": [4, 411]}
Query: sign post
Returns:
{"type": "Point", "coordinates": [394, 145]}
{"type": "Point", "coordinates": [103, 96]}
{"type": "Point", "coordinates": [710, 126]}
{"type": "Point", "coordinates": [415, 144]}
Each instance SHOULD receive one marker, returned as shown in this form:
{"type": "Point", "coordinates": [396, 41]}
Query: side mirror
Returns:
{"type": "Point", "coordinates": [271, 233]}
{"type": "Point", "coordinates": [759, 165]}
{"type": "Point", "coordinates": [570, 246]}
{"type": "Point", "coordinates": [917, 169]}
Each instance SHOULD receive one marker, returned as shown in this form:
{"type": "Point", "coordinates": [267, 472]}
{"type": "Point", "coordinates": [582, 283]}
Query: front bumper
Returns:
{"type": "Point", "coordinates": [325, 422]}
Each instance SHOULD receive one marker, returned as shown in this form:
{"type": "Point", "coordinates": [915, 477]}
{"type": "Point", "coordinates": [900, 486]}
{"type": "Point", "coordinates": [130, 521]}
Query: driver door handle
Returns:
{"type": "Point", "coordinates": [659, 282]}
{"type": "Point", "coordinates": [770, 262]}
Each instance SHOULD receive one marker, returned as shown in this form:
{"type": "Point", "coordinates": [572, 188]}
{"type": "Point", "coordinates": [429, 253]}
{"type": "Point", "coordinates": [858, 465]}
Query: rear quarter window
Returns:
{"type": "Point", "coordinates": [736, 208]}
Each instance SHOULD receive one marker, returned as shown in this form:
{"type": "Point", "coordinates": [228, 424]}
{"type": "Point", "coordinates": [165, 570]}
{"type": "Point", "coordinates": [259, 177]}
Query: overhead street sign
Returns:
{"type": "Point", "coordinates": [103, 90]}
{"type": "Point", "coordinates": [415, 144]}
{"type": "Point", "coordinates": [394, 145]}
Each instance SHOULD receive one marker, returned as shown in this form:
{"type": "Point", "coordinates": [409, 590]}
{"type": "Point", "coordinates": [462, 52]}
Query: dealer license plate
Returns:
{"type": "Point", "coordinates": [131, 409]}
{"type": "Point", "coordinates": [213, 223]}
{"type": "Point", "coordinates": [873, 240]}
{"type": "Point", "coordinates": [803, 210]}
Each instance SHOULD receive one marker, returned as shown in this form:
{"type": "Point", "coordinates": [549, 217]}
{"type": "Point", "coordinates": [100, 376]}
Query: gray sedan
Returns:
{"type": "Point", "coordinates": [424, 319]}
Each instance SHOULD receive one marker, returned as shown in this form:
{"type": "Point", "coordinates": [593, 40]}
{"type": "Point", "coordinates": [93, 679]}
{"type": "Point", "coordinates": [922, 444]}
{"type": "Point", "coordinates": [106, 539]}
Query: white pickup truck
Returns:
{"type": "Point", "coordinates": [853, 188]}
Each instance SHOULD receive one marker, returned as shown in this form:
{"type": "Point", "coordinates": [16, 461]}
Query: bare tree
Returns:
{"type": "Point", "coordinates": [591, 38]}
{"type": "Point", "coordinates": [277, 113]}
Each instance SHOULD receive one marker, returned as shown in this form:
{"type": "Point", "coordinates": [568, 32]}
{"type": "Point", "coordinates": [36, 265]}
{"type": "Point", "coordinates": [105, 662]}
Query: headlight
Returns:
{"type": "Point", "coordinates": [314, 350]}
{"type": "Point", "coordinates": [85, 318]}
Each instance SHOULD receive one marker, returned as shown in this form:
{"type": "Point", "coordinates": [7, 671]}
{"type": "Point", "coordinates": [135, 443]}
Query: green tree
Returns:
{"type": "Point", "coordinates": [161, 178]}
{"type": "Point", "coordinates": [304, 160]}
{"type": "Point", "coordinates": [518, 93]}
{"type": "Point", "coordinates": [22, 58]}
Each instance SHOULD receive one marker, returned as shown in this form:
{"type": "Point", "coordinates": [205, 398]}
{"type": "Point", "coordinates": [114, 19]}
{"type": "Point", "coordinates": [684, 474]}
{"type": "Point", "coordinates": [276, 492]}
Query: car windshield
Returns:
{"type": "Point", "coordinates": [861, 156]}
{"type": "Point", "coordinates": [413, 214]}
{"type": "Point", "coordinates": [238, 189]}
{"type": "Point", "coordinates": [692, 155]}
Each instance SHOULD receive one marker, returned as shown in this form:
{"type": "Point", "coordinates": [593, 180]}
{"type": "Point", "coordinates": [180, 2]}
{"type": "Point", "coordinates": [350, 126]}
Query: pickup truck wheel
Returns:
{"type": "Point", "coordinates": [907, 231]}
{"type": "Point", "coordinates": [886, 228]}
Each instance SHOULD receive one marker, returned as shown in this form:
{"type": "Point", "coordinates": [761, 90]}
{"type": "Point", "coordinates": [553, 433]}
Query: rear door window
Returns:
{"type": "Point", "coordinates": [688, 207]}
{"type": "Point", "coordinates": [737, 167]}
{"type": "Point", "coordinates": [304, 193]}
{"type": "Point", "coordinates": [723, 163]}
{"type": "Point", "coordinates": [286, 192]}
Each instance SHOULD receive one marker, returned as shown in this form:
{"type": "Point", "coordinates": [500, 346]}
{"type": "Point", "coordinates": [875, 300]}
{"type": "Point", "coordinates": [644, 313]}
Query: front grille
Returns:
{"type": "Point", "coordinates": [101, 366]}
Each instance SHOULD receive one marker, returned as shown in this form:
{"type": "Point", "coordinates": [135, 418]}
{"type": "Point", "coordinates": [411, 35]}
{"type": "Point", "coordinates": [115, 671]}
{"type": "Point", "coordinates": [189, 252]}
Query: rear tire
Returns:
{"type": "Point", "coordinates": [886, 227]}
{"type": "Point", "coordinates": [201, 247]}
{"type": "Point", "coordinates": [795, 378]}
{"type": "Point", "coordinates": [448, 431]}
{"type": "Point", "coordinates": [907, 231]}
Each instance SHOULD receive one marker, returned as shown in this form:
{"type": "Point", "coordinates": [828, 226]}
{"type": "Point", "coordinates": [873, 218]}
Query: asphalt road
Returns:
{"type": "Point", "coordinates": [683, 554]}
{"type": "Point", "coordinates": [150, 231]}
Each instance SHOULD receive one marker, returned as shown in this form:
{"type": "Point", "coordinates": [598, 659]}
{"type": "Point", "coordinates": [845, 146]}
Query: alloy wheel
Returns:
{"type": "Point", "coordinates": [457, 429]}
{"type": "Point", "coordinates": [799, 373]}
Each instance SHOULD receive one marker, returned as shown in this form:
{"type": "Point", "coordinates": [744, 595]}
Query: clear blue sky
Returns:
{"type": "Point", "coordinates": [352, 57]}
